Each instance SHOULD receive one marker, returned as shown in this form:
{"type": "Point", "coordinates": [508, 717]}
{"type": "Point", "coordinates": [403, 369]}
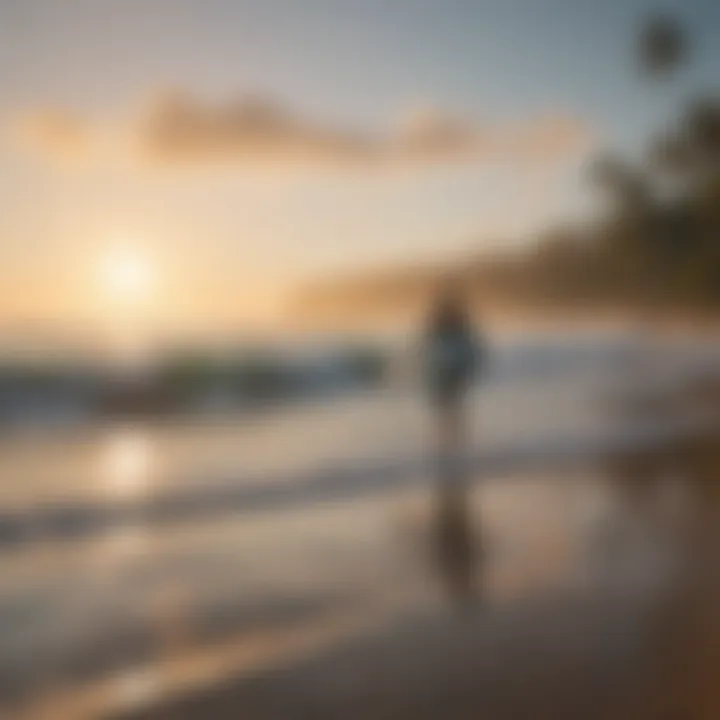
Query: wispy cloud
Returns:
{"type": "Point", "coordinates": [177, 129]}
{"type": "Point", "coordinates": [56, 133]}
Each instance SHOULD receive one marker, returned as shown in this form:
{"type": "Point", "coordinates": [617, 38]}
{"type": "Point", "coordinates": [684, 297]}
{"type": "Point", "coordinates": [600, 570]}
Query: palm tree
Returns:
{"type": "Point", "coordinates": [662, 47]}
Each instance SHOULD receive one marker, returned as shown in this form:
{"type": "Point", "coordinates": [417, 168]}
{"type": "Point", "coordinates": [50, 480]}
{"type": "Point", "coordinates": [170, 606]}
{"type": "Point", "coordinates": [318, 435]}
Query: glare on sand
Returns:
{"type": "Point", "coordinates": [126, 463]}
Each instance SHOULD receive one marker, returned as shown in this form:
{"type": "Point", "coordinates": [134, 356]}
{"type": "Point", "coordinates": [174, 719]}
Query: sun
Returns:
{"type": "Point", "coordinates": [126, 275]}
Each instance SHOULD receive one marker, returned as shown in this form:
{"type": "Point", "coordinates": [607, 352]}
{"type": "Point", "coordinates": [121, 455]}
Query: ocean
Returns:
{"type": "Point", "coordinates": [132, 547]}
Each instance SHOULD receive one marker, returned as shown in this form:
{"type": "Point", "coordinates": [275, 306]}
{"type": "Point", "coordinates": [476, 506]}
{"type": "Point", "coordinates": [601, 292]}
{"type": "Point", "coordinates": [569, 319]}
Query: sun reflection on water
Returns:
{"type": "Point", "coordinates": [126, 463]}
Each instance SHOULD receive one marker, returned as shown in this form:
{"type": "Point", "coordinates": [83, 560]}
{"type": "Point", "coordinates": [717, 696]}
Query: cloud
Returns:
{"type": "Point", "coordinates": [55, 133]}
{"type": "Point", "coordinates": [177, 129]}
{"type": "Point", "coordinates": [550, 137]}
{"type": "Point", "coordinates": [429, 135]}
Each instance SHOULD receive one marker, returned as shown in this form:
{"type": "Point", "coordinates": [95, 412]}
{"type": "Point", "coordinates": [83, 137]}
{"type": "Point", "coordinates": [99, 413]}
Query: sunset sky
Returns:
{"type": "Point", "coordinates": [191, 160]}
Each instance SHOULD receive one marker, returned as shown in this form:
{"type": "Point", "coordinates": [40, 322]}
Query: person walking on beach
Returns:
{"type": "Point", "coordinates": [453, 357]}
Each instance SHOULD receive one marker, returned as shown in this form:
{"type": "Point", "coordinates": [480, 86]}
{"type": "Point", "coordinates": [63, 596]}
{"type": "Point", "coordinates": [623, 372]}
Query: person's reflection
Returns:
{"type": "Point", "coordinates": [453, 353]}
{"type": "Point", "coordinates": [456, 546]}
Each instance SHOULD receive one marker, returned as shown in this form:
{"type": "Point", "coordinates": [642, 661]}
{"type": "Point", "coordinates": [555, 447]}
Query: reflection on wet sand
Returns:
{"type": "Point", "coordinates": [455, 539]}
{"type": "Point", "coordinates": [457, 550]}
{"type": "Point", "coordinates": [638, 645]}
{"type": "Point", "coordinates": [125, 464]}
{"type": "Point", "coordinates": [599, 598]}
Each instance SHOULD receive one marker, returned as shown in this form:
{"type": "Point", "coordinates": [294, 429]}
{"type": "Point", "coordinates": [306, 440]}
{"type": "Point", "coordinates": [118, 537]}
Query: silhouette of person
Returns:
{"type": "Point", "coordinates": [453, 354]}
{"type": "Point", "coordinates": [453, 357]}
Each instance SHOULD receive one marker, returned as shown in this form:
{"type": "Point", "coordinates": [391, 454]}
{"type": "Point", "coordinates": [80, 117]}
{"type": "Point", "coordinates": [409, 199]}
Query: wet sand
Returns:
{"type": "Point", "coordinates": [533, 660]}
{"type": "Point", "coordinates": [637, 639]}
